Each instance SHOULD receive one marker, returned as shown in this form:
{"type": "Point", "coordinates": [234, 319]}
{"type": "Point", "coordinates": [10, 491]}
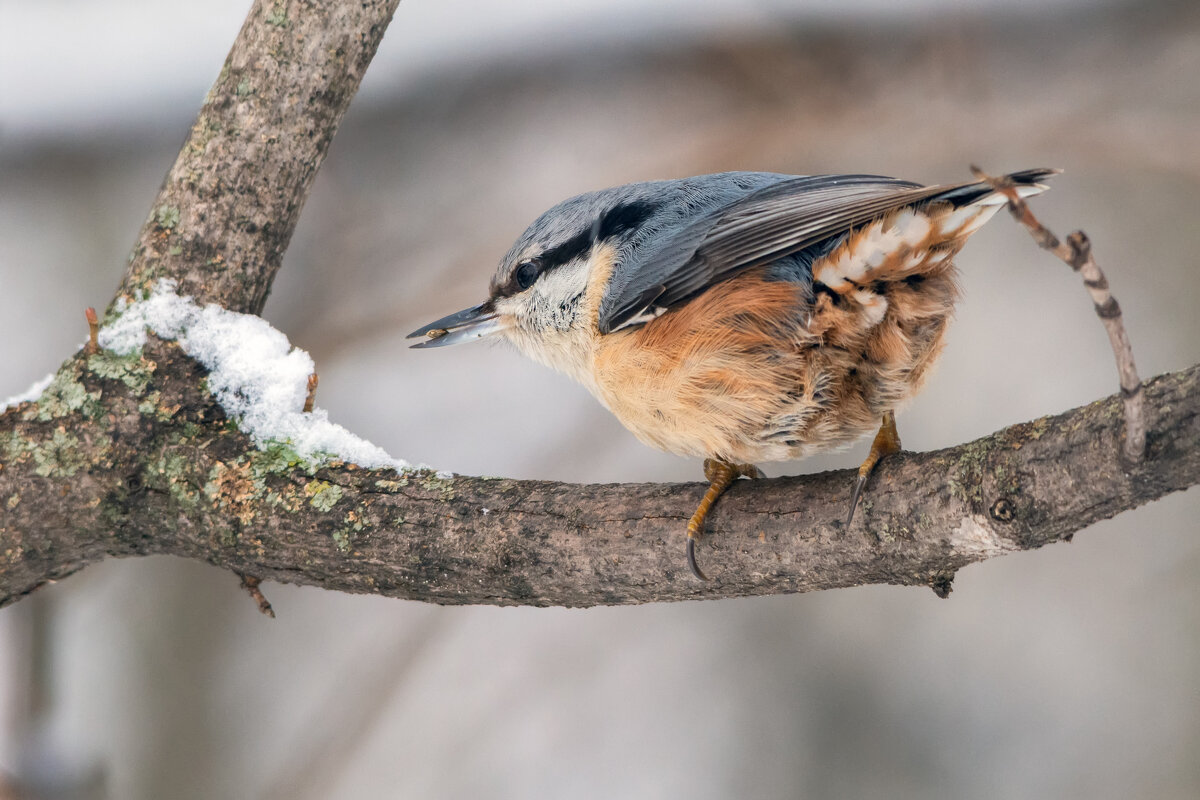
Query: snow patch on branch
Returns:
{"type": "Point", "coordinates": [255, 374]}
{"type": "Point", "coordinates": [29, 395]}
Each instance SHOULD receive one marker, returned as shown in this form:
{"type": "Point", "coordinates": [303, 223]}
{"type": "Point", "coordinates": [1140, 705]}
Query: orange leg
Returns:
{"type": "Point", "coordinates": [887, 441]}
{"type": "Point", "coordinates": [720, 474]}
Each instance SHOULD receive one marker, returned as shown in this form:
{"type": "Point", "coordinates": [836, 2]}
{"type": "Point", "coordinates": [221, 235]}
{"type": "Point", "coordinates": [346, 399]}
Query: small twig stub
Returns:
{"type": "Point", "coordinates": [93, 343]}
{"type": "Point", "coordinates": [251, 585]}
{"type": "Point", "coordinates": [310, 398]}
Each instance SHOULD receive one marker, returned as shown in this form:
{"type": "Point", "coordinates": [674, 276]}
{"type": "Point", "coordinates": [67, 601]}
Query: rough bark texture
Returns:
{"type": "Point", "coordinates": [229, 205]}
{"type": "Point", "coordinates": [128, 456]}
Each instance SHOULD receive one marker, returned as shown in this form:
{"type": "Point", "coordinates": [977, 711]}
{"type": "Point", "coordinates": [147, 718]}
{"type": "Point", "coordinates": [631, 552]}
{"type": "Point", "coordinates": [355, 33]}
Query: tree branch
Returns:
{"type": "Point", "coordinates": [130, 457]}
{"type": "Point", "coordinates": [229, 205]}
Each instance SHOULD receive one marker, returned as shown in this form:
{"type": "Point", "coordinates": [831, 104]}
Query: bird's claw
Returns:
{"type": "Point", "coordinates": [858, 487]}
{"type": "Point", "coordinates": [720, 475]}
{"type": "Point", "coordinates": [691, 559]}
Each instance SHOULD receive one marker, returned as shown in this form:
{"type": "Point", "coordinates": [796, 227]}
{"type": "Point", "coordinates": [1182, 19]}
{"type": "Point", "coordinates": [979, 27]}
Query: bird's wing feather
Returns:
{"type": "Point", "coordinates": [764, 226]}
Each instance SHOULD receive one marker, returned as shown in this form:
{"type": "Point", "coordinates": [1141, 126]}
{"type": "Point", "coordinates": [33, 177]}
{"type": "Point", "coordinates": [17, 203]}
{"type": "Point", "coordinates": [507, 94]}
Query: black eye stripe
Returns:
{"type": "Point", "coordinates": [568, 251]}
{"type": "Point", "coordinates": [616, 220]}
{"type": "Point", "coordinates": [624, 217]}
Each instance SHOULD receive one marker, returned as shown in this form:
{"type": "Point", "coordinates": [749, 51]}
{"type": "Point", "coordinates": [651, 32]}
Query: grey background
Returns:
{"type": "Point", "coordinates": [1073, 672]}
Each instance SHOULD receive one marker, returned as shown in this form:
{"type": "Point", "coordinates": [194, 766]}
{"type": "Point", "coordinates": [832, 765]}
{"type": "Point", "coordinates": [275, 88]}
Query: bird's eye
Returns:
{"type": "Point", "coordinates": [527, 272]}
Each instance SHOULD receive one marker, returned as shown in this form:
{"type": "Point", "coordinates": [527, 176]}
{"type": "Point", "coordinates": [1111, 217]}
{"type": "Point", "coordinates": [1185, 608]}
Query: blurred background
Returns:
{"type": "Point", "coordinates": [1073, 672]}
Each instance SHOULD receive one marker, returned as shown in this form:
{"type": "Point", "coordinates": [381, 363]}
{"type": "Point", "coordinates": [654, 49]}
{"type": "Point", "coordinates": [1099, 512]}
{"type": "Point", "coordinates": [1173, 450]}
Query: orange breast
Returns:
{"type": "Point", "coordinates": [752, 370]}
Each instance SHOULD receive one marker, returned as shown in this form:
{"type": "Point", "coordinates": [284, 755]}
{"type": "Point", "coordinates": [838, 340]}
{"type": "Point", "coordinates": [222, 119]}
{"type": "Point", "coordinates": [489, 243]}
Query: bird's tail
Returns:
{"type": "Point", "coordinates": [1026, 183]}
{"type": "Point", "coordinates": [921, 237]}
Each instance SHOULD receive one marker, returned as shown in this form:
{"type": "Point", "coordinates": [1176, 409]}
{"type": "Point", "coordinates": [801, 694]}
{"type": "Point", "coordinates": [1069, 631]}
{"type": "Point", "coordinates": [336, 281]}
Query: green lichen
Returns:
{"type": "Point", "coordinates": [149, 406]}
{"type": "Point", "coordinates": [322, 458]}
{"type": "Point", "coordinates": [12, 446]}
{"type": "Point", "coordinates": [173, 472]}
{"type": "Point", "coordinates": [204, 131]}
{"type": "Point", "coordinates": [189, 431]}
{"type": "Point", "coordinates": [322, 495]}
{"type": "Point", "coordinates": [166, 217]}
{"type": "Point", "coordinates": [280, 457]}
{"type": "Point", "coordinates": [60, 457]}
{"type": "Point", "coordinates": [429, 480]}
{"type": "Point", "coordinates": [290, 499]}
{"type": "Point", "coordinates": [278, 16]}
{"type": "Point", "coordinates": [967, 481]}
{"type": "Point", "coordinates": [341, 538]}
{"type": "Point", "coordinates": [64, 396]}
{"type": "Point", "coordinates": [243, 88]}
{"type": "Point", "coordinates": [228, 537]}
{"type": "Point", "coordinates": [354, 526]}
{"type": "Point", "coordinates": [392, 486]}
{"type": "Point", "coordinates": [131, 370]}
{"type": "Point", "coordinates": [276, 458]}
{"type": "Point", "coordinates": [15, 447]}
{"type": "Point", "coordinates": [212, 486]}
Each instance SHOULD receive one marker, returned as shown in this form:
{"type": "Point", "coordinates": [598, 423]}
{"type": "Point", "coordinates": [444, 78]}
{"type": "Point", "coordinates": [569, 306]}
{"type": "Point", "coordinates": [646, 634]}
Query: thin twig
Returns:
{"type": "Point", "coordinates": [1076, 252]}
{"type": "Point", "coordinates": [93, 344]}
{"type": "Point", "coordinates": [251, 585]}
{"type": "Point", "coordinates": [310, 399]}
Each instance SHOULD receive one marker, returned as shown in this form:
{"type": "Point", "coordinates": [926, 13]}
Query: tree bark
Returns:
{"type": "Point", "coordinates": [129, 455]}
{"type": "Point", "coordinates": [229, 205]}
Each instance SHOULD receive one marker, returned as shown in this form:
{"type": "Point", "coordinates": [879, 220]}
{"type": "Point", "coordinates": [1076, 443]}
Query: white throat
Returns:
{"type": "Point", "coordinates": [556, 323]}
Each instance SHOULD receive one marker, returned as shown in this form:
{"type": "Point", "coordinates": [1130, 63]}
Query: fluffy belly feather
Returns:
{"type": "Point", "coordinates": [753, 370]}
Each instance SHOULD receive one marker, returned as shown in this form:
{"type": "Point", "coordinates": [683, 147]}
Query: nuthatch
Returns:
{"type": "Point", "coordinates": [741, 317]}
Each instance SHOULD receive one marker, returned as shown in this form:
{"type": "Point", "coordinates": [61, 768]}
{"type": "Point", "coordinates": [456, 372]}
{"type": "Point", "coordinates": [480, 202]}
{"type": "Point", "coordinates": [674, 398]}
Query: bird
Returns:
{"type": "Point", "coordinates": [742, 317]}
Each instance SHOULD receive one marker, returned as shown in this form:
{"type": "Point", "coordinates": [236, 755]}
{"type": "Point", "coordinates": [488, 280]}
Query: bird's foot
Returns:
{"type": "Point", "coordinates": [720, 474]}
{"type": "Point", "coordinates": [887, 441]}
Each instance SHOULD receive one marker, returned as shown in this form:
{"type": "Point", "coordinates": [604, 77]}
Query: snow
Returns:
{"type": "Point", "coordinates": [30, 394]}
{"type": "Point", "coordinates": [255, 374]}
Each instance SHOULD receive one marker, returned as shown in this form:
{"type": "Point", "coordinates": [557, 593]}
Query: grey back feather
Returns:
{"type": "Point", "coordinates": [774, 217]}
{"type": "Point", "coordinates": [708, 228]}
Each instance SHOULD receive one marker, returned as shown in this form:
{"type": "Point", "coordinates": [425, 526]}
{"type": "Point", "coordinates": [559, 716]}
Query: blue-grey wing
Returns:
{"type": "Point", "coordinates": [763, 226]}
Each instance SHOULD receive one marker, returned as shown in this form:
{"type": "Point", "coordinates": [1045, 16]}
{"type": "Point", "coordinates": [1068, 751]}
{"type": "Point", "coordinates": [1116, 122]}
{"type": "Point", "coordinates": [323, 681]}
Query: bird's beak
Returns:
{"type": "Point", "coordinates": [463, 326]}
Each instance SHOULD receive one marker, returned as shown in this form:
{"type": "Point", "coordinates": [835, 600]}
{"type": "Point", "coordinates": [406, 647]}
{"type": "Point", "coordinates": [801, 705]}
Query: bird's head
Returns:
{"type": "Point", "coordinates": [546, 291]}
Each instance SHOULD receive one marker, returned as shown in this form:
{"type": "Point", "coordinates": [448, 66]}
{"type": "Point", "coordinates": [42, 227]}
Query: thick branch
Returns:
{"type": "Point", "coordinates": [229, 205]}
{"type": "Point", "coordinates": [126, 456]}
